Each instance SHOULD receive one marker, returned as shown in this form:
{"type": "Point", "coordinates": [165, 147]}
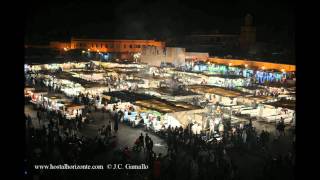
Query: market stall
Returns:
{"type": "Point", "coordinates": [71, 110]}
{"type": "Point", "coordinates": [252, 101]}
{"type": "Point", "coordinates": [151, 81]}
{"type": "Point", "coordinates": [217, 94]}
{"type": "Point", "coordinates": [274, 111]}
{"type": "Point", "coordinates": [172, 113]}
{"type": "Point", "coordinates": [170, 94]}
{"type": "Point", "coordinates": [28, 91]}
{"type": "Point", "coordinates": [228, 81]}
{"type": "Point", "coordinates": [37, 96]}
{"type": "Point", "coordinates": [54, 102]}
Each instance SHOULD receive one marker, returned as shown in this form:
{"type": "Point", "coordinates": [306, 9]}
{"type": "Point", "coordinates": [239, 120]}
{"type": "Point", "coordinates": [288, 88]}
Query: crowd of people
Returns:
{"type": "Point", "coordinates": [212, 158]}
{"type": "Point", "coordinates": [58, 140]}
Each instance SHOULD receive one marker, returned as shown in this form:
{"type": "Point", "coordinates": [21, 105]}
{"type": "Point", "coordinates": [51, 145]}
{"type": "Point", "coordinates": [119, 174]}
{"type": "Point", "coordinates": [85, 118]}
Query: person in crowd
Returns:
{"type": "Point", "coordinates": [146, 139]}
{"type": "Point", "coordinates": [108, 129]}
{"type": "Point", "coordinates": [137, 145]}
{"type": "Point", "coordinates": [141, 138]}
{"type": "Point", "coordinates": [175, 144]}
{"type": "Point", "coordinates": [169, 143]}
{"type": "Point", "coordinates": [116, 122]}
{"type": "Point", "coordinates": [264, 138]}
{"type": "Point", "coordinates": [157, 168]}
{"type": "Point", "coordinates": [151, 145]}
{"type": "Point", "coordinates": [126, 153]}
{"type": "Point", "coordinates": [244, 136]}
{"type": "Point", "coordinates": [280, 128]}
{"type": "Point", "coordinates": [39, 117]}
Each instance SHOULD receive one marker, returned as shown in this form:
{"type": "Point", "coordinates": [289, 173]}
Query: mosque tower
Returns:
{"type": "Point", "coordinates": [247, 34]}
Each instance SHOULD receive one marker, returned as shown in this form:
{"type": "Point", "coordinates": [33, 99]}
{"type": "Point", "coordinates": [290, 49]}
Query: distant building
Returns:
{"type": "Point", "coordinates": [223, 44]}
{"type": "Point", "coordinates": [121, 49]}
{"type": "Point", "coordinates": [116, 46]}
{"type": "Point", "coordinates": [247, 34]}
{"type": "Point", "coordinates": [59, 45]}
{"type": "Point", "coordinates": [156, 55]}
{"type": "Point", "coordinates": [152, 55]}
{"type": "Point", "coordinates": [211, 42]}
{"type": "Point", "coordinates": [175, 55]}
{"type": "Point", "coordinates": [195, 56]}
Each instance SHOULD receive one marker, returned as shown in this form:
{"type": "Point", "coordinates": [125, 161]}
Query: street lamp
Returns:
{"type": "Point", "coordinates": [246, 65]}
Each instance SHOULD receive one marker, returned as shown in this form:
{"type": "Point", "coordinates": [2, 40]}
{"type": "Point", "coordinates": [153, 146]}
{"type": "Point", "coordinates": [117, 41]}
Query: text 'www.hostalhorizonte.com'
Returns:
{"type": "Point", "coordinates": [67, 166]}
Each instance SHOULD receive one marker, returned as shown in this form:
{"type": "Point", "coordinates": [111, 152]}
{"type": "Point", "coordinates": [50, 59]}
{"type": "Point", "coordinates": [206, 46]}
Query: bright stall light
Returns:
{"type": "Point", "coordinates": [137, 55]}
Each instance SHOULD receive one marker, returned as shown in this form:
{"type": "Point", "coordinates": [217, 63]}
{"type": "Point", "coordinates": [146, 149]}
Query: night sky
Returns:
{"type": "Point", "coordinates": [160, 19]}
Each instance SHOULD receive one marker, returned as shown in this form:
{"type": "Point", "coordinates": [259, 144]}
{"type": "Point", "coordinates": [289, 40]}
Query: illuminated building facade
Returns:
{"type": "Point", "coordinates": [113, 46]}
{"type": "Point", "coordinates": [116, 49]}
{"type": "Point", "coordinates": [59, 45]}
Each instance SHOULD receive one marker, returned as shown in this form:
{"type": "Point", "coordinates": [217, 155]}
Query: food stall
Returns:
{"type": "Point", "coordinates": [27, 68]}
{"type": "Point", "coordinates": [267, 76]}
{"type": "Point", "coordinates": [95, 89]}
{"type": "Point", "coordinates": [136, 83]}
{"type": "Point", "coordinates": [274, 111]}
{"type": "Point", "coordinates": [170, 112]}
{"type": "Point", "coordinates": [91, 76]}
{"type": "Point", "coordinates": [79, 65]}
{"type": "Point", "coordinates": [217, 94]}
{"type": "Point", "coordinates": [36, 68]}
{"type": "Point", "coordinates": [54, 102]}
{"type": "Point", "coordinates": [191, 78]}
{"type": "Point", "coordinates": [153, 110]}
{"type": "Point", "coordinates": [228, 81]}
{"type": "Point", "coordinates": [252, 101]}
{"type": "Point", "coordinates": [28, 91]}
{"type": "Point", "coordinates": [150, 81]}
{"type": "Point", "coordinates": [71, 110]}
{"type": "Point", "coordinates": [37, 97]}
{"type": "Point", "coordinates": [169, 94]}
